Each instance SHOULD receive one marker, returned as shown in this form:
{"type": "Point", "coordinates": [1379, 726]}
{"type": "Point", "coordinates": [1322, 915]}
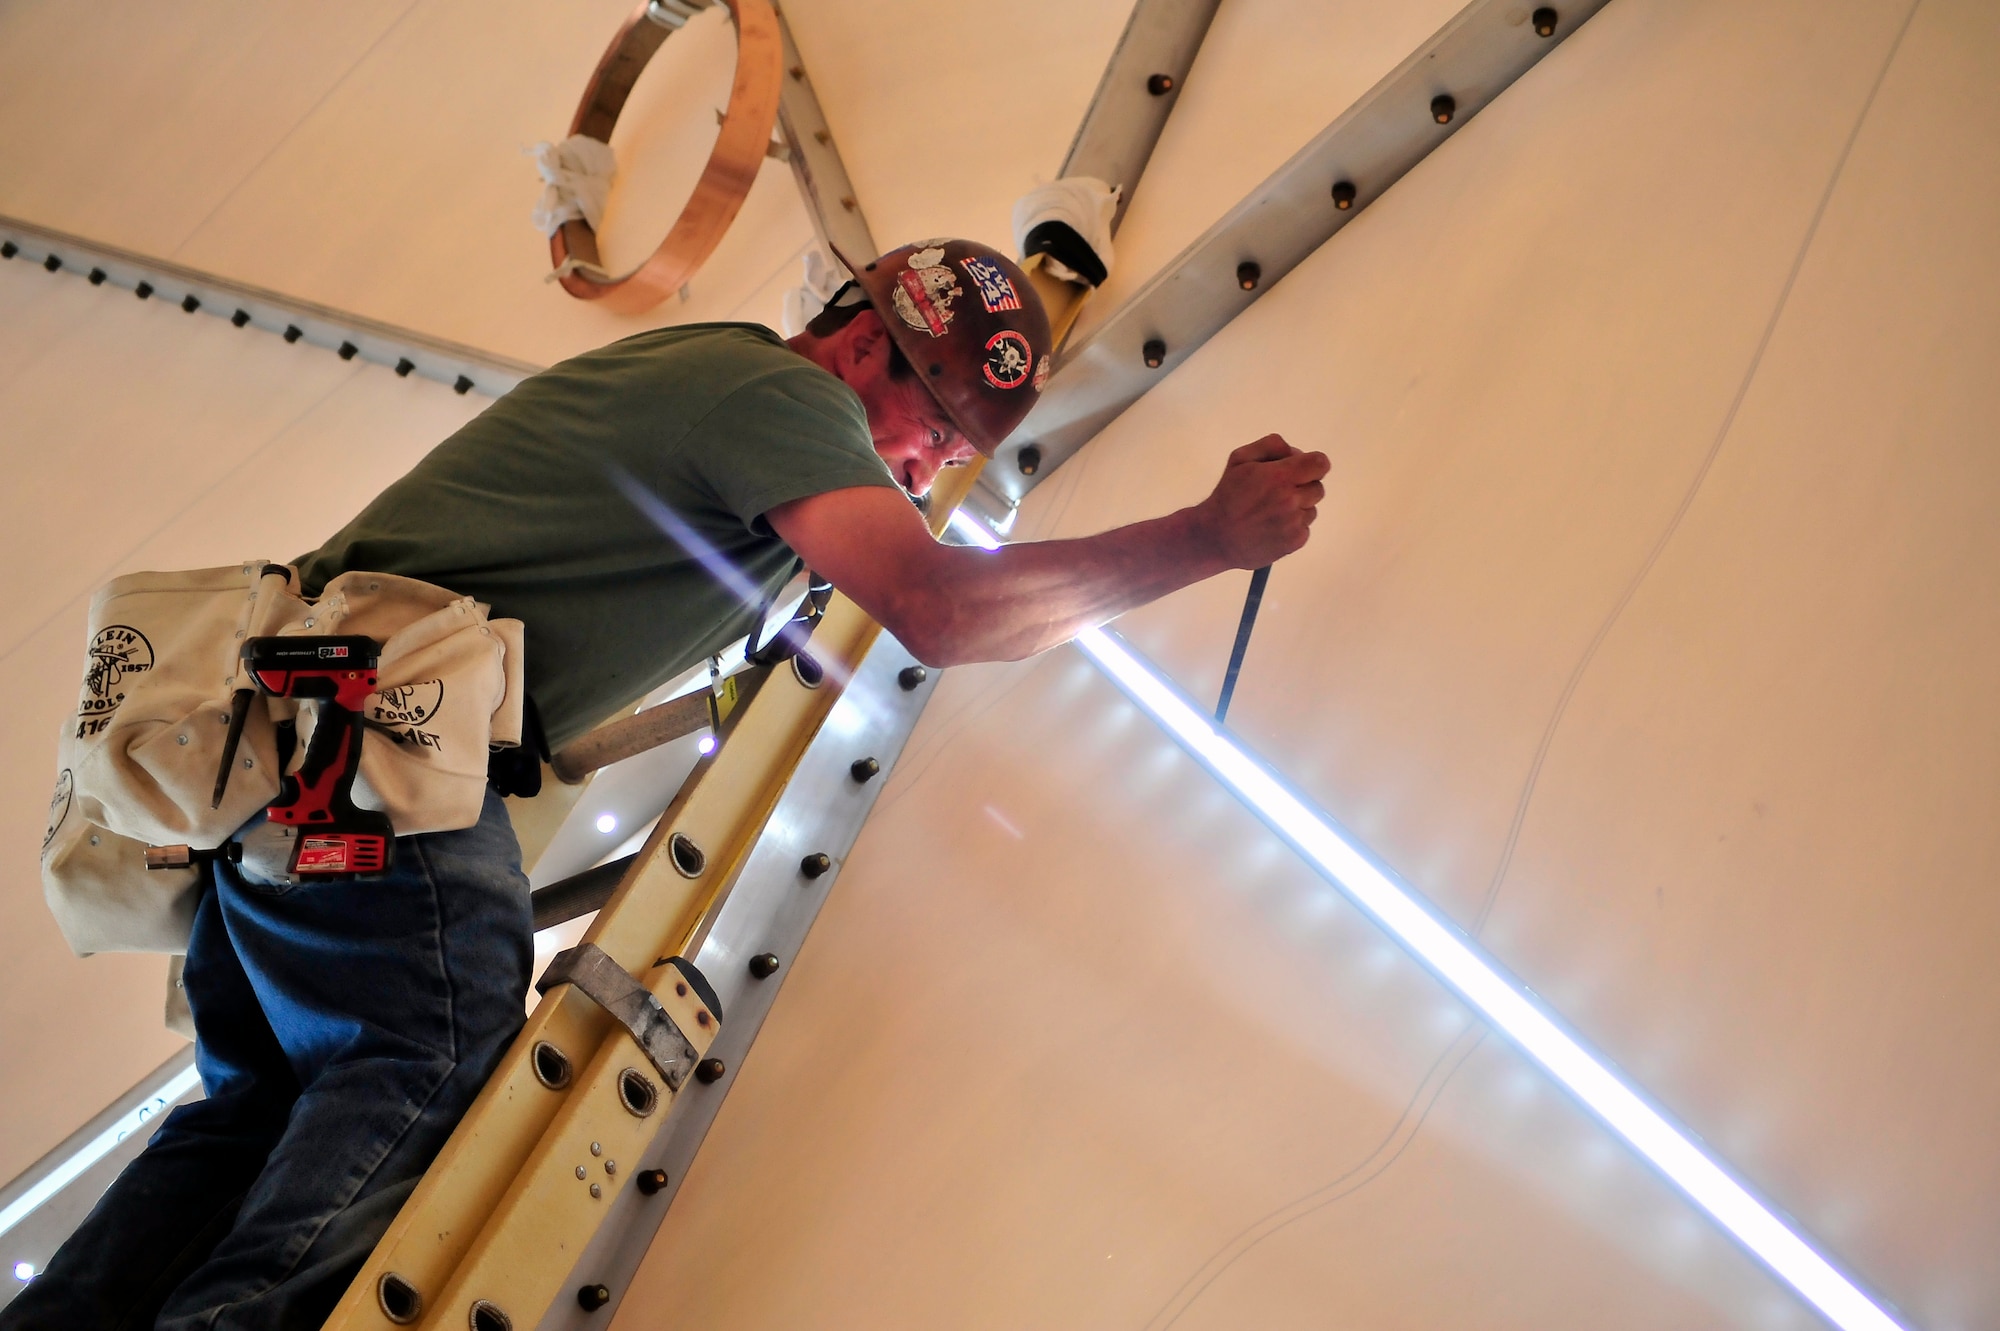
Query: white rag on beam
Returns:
{"type": "Point", "coordinates": [1085, 204]}
{"type": "Point", "coordinates": [577, 173]}
{"type": "Point", "coordinates": [824, 275]}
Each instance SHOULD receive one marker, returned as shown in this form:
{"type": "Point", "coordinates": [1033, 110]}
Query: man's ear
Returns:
{"type": "Point", "coordinates": [867, 339]}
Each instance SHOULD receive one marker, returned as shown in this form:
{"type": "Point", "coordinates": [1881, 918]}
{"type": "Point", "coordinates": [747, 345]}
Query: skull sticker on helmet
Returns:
{"type": "Point", "coordinates": [1008, 359]}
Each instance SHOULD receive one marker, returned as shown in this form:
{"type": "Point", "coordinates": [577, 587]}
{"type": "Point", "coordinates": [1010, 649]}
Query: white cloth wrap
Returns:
{"type": "Point", "coordinates": [823, 276]}
{"type": "Point", "coordinates": [577, 175]}
{"type": "Point", "coordinates": [1084, 203]}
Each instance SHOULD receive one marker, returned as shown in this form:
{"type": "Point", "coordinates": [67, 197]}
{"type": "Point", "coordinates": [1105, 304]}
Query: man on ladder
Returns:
{"type": "Point", "coordinates": [636, 507]}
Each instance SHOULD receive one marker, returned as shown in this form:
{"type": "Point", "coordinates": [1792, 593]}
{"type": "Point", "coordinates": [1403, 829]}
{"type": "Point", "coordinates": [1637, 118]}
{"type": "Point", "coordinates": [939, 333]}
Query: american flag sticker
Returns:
{"type": "Point", "coordinates": [996, 290]}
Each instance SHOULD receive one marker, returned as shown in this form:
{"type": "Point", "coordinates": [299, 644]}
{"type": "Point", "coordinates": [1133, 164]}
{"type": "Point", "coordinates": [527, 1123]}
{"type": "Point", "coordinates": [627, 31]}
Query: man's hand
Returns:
{"type": "Point", "coordinates": [950, 604]}
{"type": "Point", "coordinates": [1263, 507]}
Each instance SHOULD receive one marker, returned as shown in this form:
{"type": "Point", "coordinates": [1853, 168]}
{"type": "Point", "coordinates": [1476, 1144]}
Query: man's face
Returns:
{"type": "Point", "coordinates": [912, 434]}
{"type": "Point", "coordinates": [911, 431]}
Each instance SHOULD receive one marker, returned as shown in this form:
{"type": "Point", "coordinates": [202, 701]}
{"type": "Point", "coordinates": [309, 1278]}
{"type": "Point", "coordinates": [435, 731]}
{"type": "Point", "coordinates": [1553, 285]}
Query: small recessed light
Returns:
{"type": "Point", "coordinates": [607, 823]}
{"type": "Point", "coordinates": [706, 744]}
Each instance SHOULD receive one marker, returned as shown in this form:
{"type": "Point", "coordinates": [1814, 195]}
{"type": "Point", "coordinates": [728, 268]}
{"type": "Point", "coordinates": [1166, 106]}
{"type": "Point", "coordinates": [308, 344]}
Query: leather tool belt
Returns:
{"type": "Point", "coordinates": [137, 759]}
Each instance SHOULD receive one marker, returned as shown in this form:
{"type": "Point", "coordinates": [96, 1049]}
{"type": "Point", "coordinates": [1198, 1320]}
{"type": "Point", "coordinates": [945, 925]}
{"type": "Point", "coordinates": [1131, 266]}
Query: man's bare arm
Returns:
{"type": "Point", "coordinates": [951, 605]}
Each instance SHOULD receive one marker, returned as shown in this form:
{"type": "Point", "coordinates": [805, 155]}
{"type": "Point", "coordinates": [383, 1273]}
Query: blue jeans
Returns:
{"type": "Point", "coordinates": [342, 1029]}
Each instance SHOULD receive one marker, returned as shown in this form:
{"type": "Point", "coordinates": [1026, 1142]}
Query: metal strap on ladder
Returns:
{"type": "Point", "coordinates": [633, 1006]}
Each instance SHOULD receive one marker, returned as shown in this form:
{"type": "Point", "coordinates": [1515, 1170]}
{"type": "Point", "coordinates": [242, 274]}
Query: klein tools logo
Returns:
{"type": "Point", "coordinates": [404, 708]}
{"type": "Point", "coordinates": [116, 653]}
{"type": "Point", "coordinates": [59, 806]}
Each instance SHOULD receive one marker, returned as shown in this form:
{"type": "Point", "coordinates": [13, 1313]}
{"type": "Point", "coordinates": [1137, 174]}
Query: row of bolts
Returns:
{"type": "Point", "coordinates": [192, 302]}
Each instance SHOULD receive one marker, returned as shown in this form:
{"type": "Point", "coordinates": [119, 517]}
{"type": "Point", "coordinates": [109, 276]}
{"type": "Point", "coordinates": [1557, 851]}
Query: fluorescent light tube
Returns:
{"type": "Point", "coordinates": [971, 531]}
{"type": "Point", "coordinates": [1463, 964]}
{"type": "Point", "coordinates": [1501, 1000]}
{"type": "Point", "coordinates": [68, 1170]}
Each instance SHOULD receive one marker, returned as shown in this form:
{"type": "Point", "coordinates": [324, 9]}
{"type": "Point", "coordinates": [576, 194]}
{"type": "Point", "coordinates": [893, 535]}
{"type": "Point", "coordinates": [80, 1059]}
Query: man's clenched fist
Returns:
{"type": "Point", "coordinates": [1263, 507]}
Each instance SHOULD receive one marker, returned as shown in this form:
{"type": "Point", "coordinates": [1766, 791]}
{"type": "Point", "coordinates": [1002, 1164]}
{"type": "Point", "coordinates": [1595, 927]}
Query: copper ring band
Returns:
{"type": "Point", "coordinates": [740, 148]}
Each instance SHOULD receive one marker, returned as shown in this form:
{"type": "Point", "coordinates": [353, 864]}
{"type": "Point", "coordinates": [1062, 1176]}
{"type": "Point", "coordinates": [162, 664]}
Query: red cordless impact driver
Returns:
{"type": "Point", "coordinates": [331, 836]}
{"type": "Point", "coordinates": [334, 836]}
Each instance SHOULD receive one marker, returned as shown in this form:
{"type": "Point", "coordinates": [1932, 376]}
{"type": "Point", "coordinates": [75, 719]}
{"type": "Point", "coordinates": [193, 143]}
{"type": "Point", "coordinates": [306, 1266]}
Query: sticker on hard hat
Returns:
{"type": "Point", "coordinates": [1041, 374]}
{"type": "Point", "coordinates": [1008, 357]}
{"type": "Point", "coordinates": [996, 291]}
{"type": "Point", "coordinates": [924, 293]}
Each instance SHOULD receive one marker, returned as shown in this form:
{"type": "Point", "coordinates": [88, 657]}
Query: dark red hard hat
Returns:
{"type": "Point", "coordinates": [967, 319]}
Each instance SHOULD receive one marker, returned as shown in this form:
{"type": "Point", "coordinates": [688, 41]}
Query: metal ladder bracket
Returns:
{"type": "Point", "coordinates": [590, 969]}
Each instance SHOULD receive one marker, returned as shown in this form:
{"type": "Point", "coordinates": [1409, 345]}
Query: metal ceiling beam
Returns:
{"type": "Point", "coordinates": [815, 159]}
{"type": "Point", "coordinates": [349, 336]}
{"type": "Point", "coordinates": [1114, 141]}
{"type": "Point", "coordinates": [50, 1198]}
{"type": "Point", "coordinates": [1372, 145]}
{"type": "Point", "coordinates": [1140, 86]}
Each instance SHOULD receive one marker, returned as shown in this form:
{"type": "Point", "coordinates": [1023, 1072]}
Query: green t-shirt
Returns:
{"type": "Point", "coordinates": [615, 503]}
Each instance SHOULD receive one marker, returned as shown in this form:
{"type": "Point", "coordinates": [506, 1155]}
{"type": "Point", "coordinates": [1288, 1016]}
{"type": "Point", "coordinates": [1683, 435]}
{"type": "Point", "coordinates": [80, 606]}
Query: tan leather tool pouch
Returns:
{"type": "Point", "coordinates": [445, 695]}
{"type": "Point", "coordinates": [137, 760]}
